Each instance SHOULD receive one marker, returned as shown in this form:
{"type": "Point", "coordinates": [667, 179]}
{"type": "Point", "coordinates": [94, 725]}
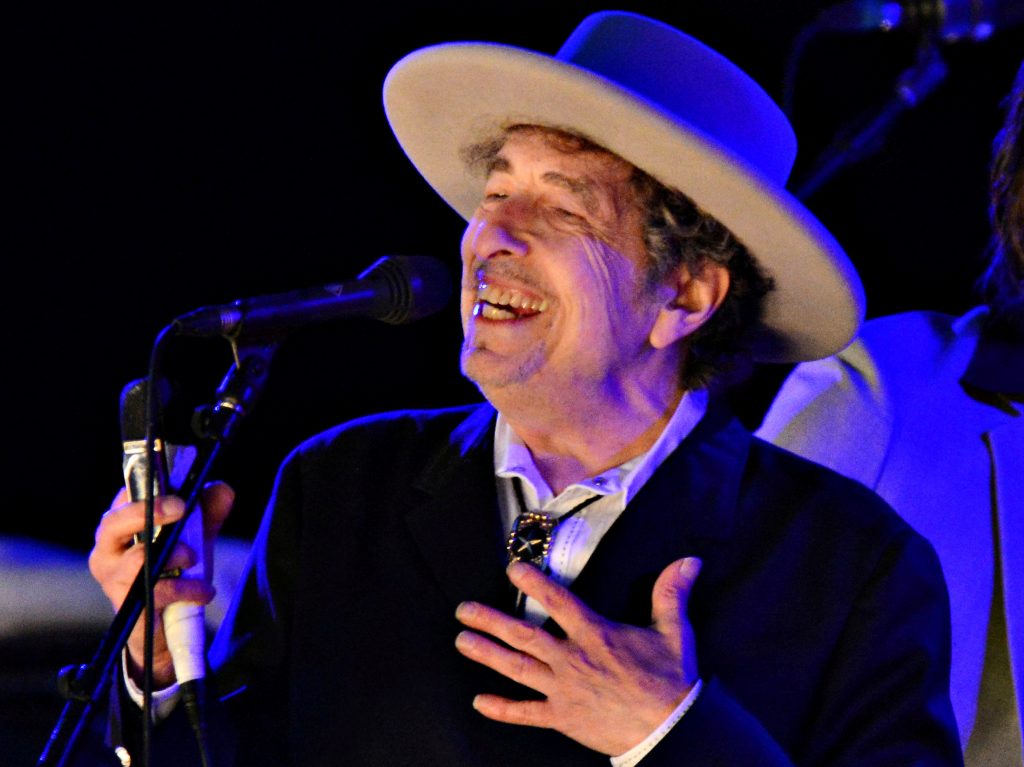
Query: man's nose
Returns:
{"type": "Point", "coordinates": [505, 229]}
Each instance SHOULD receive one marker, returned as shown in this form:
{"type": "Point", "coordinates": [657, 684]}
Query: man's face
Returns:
{"type": "Point", "coordinates": [554, 289]}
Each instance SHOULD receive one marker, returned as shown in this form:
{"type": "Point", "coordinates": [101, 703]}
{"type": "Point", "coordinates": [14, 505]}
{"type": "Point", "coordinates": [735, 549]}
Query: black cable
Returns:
{"type": "Point", "coordinates": [86, 686]}
{"type": "Point", "coordinates": [913, 86]}
{"type": "Point", "coordinates": [152, 416]}
{"type": "Point", "coordinates": [193, 692]}
{"type": "Point", "coordinates": [796, 52]}
{"type": "Point", "coordinates": [193, 697]}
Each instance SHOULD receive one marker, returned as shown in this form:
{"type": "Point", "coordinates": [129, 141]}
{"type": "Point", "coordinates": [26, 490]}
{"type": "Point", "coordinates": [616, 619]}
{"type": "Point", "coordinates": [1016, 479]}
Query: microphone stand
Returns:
{"type": "Point", "coordinates": [86, 686]}
{"type": "Point", "coordinates": [912, 87]}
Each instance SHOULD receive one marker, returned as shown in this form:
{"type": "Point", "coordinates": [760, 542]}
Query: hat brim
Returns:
{"type": "Point", "coordinates": [444, 98]}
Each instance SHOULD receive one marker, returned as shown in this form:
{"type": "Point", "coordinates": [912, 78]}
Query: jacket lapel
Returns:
{"type": "Point", "coordinates": [687, 506]}
{"type": "Point", "coordinates": [690, 500]}
{"type": "Point", "coordinates": [1007, 449]}
{"type": "Point", "coordinates": [458, 526]}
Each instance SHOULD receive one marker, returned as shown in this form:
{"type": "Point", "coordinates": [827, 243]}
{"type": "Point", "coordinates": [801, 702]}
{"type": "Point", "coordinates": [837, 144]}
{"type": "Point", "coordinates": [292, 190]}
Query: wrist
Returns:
{"type": "Point", "coordinates": [163, 668]}
{"type": "Point", "coordinates": [633, 756]}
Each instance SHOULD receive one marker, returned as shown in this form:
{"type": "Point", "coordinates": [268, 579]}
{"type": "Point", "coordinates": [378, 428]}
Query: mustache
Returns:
{"type": "Point", "coordinates": [502, 269]}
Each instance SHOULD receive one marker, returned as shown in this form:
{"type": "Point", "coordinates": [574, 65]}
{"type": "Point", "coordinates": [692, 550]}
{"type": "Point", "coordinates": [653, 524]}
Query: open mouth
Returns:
{"type": "Point", "coordinates": [499, 303]}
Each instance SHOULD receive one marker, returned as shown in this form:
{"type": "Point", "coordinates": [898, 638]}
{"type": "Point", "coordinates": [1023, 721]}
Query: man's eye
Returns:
{"type": "Point", "coordinates": [495, 196]}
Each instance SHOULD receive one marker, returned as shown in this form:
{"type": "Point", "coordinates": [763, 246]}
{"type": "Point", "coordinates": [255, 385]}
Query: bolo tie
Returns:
{"type": "Point", "coordinates": [532, 532]}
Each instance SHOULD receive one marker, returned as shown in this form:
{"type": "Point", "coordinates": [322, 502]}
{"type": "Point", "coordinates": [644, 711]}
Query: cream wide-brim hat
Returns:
{"type": "Point", "coordinates": [672, 107]}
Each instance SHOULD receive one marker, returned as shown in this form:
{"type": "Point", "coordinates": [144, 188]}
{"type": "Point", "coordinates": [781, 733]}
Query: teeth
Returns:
{"type": "Point", "coordinates": [509, 297]}
{"type": "Point", "coordinates": [490, 312]}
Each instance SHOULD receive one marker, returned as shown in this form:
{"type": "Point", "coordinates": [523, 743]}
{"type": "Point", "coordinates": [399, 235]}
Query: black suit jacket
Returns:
{"type": "Point", "coordinates": [821, 618]}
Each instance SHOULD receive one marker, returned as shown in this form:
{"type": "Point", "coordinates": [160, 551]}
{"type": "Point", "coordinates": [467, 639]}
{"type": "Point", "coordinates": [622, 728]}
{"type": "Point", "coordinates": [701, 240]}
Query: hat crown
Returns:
{"type": "Point", "coordinates": [670, 106]}
{"type": "Point", "coordinates": [678, 74]}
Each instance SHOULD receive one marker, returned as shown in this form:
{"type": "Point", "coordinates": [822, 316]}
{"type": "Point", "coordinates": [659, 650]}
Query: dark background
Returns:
{"type": "Point", "coordinates": [189, 155]}
{"type": "Point", "coordinates": [184, 155]}
{"type": "Point", "coordinates": [179, 155]}
{"type": "Point", "coordinates": [192, 155]}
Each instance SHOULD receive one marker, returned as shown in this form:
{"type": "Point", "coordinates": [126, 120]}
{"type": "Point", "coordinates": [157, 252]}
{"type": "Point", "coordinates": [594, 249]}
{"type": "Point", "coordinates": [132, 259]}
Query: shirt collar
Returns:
{"type": "Point", "coordinates": [512, 457]}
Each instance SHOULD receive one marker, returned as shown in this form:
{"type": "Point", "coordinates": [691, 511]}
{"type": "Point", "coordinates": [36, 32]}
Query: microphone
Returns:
{"type": "Point", "coordinates": [184, 624]}
{"type": "Point", "coordinates": [951, 20]}
{"type": "Point", "coordinates": [394, 289]}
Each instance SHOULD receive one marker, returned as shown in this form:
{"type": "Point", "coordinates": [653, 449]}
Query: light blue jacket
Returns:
{"type": "Point", "coordinates": [890, 412]}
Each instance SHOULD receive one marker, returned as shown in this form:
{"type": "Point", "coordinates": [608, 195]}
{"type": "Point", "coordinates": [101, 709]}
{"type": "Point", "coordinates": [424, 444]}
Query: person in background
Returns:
{"type": "Point", "coordinates": [928, 410]}
{"type": "Point", "coordinates": [597, 563]}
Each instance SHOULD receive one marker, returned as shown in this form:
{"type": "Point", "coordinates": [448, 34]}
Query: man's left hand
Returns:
{"type": "Point", "coordinates": [606, 685]}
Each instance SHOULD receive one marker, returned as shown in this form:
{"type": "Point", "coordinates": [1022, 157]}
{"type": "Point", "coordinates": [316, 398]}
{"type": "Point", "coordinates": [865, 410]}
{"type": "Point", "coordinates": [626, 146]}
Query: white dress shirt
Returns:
{"type": "Point", "coordinates": [575, 540]}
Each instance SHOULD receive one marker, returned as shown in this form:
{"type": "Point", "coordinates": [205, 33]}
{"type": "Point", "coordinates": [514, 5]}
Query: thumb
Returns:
{"type": "Point", "coordinates": [671, 595]}
{"type": "Point", "coordinates": [216, 500]}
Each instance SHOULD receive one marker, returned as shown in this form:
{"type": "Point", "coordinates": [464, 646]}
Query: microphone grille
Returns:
{"type": "Point", "coordinates": [418, 286]}
{"type": "Point", "coordinates": [133, 407]}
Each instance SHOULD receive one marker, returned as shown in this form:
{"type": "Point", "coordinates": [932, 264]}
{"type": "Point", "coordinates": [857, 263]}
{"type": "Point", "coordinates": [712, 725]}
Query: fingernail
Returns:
{"type": "Point", "coordinates": [168, 508]}
{"type": "Point", "coordinates": [464, 610]}
{"type": "Point", "coordinates": [690, 565]}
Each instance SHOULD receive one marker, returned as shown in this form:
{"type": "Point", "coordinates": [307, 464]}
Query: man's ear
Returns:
{"type": "Point", "coordinates": [697, 296]}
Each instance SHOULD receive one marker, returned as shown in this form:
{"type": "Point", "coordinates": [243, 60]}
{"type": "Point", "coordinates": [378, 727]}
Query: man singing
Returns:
{"type": "Point", "coordinates": [598, 562]}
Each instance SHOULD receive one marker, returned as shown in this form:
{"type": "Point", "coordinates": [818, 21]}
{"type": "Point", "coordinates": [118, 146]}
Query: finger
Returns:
{"type": "Point", "coordinates": [518, 634]}
{"type": "Point", "coordinates": [216, 500]}
{"type": "Point", "coordinates": [532, 713]}
{"type": "Point", "coordinates": [671, 595]}
{"type": "Point", "coordinates": [174, 586]}
{"type": "Point", "coordinates": [115, 537]}
{"type": "Point", "coordinates": [182, 557]}
{"type": "Point", "coordinates": [561, 604]}
{"type": "Point", "coordinates": [517, 666]}
{"type": "Point", "coordinates": [116, 575]}
{"type": "Point", "coordinates": [120, 524]}
{"type": "Point", "coordinates": [193, 590]}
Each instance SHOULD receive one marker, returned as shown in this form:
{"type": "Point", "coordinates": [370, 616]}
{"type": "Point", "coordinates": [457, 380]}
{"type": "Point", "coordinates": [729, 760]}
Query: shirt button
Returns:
{"type": "Point", "coordinates": [600, 481]}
